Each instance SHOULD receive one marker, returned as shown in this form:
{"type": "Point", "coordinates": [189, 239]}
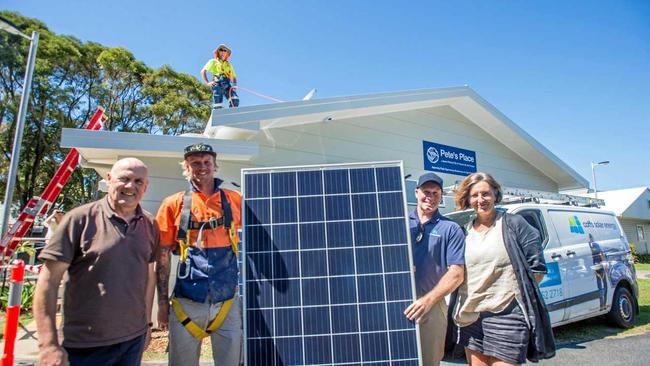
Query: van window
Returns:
{"type": "Point", "coordinates": [535, 219]}
{"type": "Point", "coordinates": [463, 218]}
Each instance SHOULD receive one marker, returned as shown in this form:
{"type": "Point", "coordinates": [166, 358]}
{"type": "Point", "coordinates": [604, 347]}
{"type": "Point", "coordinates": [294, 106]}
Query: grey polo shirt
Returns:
{"type": "Point", "coordinates": [104, 300]}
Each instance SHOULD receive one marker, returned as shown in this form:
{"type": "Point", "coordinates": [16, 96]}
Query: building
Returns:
{"type": "Point", "coordinates": [452, 131]}
{"type": "Point", "coordinates": [632, 207]}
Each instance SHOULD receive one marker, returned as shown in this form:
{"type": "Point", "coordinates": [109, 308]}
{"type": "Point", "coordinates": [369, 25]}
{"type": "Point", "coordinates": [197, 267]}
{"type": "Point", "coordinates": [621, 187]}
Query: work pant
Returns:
{"type": "Point", "coordinates": [185, 349]}
{"type": "Point", "coordinates": [223, 89]}
{"type": "Point", "coordinates": [127, 353]}
{"type": "Point", "coordinates": [433, 331]}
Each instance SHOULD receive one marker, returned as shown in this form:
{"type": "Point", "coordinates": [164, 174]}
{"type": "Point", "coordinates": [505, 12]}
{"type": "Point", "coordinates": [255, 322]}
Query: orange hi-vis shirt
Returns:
{"type": "Point", "coordinates": [203, 208]}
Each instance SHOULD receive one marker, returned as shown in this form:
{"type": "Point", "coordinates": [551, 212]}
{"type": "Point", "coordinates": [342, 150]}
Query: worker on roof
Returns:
{"type": "Point", "coordinates": [224, 80]}
{"type": "Point", "coordinates": [200, 225]}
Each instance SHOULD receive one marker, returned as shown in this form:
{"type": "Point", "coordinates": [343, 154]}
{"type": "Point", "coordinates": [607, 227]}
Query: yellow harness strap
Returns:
{"type": "Point", "coordinates": [182, 250]}
{"type": "Point", "coordinates": [232, 235]}
{"type": "Point", "coordinates": [193, 328]}
{"type": "Point", "coordinates": [185, 320]}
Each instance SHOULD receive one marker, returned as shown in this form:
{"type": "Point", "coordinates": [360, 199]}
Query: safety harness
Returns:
{"type": "Point", "coordinates": [187, 224]}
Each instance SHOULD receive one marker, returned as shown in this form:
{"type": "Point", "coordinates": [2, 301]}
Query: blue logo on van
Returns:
{"type": "Point", "coordinates": [575, 225]}
{"type": "Point", "coordinates": [552, 277]}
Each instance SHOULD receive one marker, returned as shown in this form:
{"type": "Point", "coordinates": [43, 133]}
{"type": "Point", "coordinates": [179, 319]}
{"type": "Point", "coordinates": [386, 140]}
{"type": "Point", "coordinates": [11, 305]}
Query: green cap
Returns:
{"type": "Point", "coordinates": [200, 148]}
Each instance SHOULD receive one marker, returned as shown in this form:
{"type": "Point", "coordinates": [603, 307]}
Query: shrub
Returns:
{"type": "Point", "coordinates": [27, 295]}
{"type": "Point", "coordinates": [26, 300]}
{"type": "Point", "coordinates": [642, 258]}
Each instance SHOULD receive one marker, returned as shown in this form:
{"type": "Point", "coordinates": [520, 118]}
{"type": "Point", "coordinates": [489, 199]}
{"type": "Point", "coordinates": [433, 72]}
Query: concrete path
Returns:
{"type": "Point", "coordinates": [26, 349]}
{"type": "Point", "coordinates": [628, 351]}
{"type": "Point", "coordinates": [643, 275]}
{"type": "Point", "coordinates": [631, 350]}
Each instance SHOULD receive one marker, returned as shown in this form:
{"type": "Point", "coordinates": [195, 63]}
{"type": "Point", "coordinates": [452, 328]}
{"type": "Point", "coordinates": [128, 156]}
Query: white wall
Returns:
{"type": "Point", "coordinates": [629, 227]}
{"type": "Point", "coordinates": [397, 136]}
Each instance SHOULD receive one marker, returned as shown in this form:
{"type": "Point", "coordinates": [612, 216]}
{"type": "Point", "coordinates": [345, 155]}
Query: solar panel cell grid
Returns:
{"type": "Point", "coordinates": [327, 267]}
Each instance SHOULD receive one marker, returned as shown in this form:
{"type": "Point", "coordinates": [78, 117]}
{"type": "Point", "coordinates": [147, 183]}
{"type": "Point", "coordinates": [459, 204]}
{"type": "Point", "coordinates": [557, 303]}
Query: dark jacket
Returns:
{"type": "Point", "coordinates": [524, 246]}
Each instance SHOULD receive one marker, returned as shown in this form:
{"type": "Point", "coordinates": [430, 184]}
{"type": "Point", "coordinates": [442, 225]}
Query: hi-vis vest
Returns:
{"type": "Point", "coordinates": [220, 68]}
{"type": "Point", "coordinates": [206, 273]}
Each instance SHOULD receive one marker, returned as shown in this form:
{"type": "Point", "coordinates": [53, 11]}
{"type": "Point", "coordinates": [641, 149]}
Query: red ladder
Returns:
{"type": "Point", "coordinates": [40, 205]}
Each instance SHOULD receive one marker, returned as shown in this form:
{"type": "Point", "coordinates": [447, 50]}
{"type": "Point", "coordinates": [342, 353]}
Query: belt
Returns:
{"type": "Point", "coordinates": [212, 223]}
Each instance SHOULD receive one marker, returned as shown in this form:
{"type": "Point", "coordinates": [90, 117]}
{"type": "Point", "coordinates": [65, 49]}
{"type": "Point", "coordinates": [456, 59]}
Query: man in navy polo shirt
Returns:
{"type": "Point", "coordinates": [439, 258]}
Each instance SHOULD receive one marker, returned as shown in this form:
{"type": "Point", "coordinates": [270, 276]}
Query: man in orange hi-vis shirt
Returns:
{"type": "Point", "coordinates": [200, 225]}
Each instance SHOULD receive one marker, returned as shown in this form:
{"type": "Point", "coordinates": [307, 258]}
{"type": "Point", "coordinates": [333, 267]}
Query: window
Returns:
{"type": "Point", "coordinates": [534, 218]}
{"type": "Point", "coordinates": [410, 189]}
{"type": "Point", "coordinates": [410, 195]}
{"type": "Point", "coordinates": [640, 233]}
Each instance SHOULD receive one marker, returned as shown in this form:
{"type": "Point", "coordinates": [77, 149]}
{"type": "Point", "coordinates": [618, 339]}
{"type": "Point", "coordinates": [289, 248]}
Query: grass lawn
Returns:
{"type": "Point", "coordinates": [642, 266]}
{"type": "Point", "coordinates": [597, 328]}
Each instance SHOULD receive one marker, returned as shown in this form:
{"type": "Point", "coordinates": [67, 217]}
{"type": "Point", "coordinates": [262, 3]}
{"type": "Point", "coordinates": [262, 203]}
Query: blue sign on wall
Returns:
{"type": "Point", "coordinates": [448, 159]}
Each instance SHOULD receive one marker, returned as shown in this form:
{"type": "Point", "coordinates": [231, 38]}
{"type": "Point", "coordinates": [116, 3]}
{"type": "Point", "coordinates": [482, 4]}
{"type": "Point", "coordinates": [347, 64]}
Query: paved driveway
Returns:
{"type": "Point", "coordinates": [631, 351]}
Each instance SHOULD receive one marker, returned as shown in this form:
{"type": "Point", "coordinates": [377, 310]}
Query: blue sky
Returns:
{"type": "Point", "coordinates": [573, 74]}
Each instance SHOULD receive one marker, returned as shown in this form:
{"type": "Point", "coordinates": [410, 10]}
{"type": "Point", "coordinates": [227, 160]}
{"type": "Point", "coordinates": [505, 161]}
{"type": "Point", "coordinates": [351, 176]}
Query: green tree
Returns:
{"type": "Point", "coordinates": [71, 79]}
{"type": "Point", "coordinates": [179, 103]}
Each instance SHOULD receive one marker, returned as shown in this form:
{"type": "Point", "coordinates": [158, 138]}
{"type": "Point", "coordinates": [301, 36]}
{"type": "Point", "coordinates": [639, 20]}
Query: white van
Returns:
{"type": "Point", "coordinates": [589, 261]}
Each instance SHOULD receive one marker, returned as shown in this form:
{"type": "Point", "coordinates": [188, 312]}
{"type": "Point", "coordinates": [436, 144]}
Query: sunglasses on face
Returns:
{"type": "Point", "coordinates": [420, 234]}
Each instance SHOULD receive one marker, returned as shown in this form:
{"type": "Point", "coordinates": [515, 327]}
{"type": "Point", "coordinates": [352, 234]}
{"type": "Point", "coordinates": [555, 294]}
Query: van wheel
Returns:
{"type": "Point", "coordinates": [622, 312]}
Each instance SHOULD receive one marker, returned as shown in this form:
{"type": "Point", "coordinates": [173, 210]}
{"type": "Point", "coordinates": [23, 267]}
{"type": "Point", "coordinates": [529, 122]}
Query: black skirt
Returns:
{"type": "Point", "coordinates": [502, 335]}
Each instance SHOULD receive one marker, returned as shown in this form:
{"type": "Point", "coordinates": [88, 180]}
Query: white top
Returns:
{"type": "Point", "coordinates": [490, 283]}
{"type": "Point", "coordinates": [51, 226]}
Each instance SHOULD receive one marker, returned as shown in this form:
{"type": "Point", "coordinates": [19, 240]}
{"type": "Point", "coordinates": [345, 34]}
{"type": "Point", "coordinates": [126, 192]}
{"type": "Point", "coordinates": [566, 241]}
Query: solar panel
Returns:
{"type": "Point", "coordinates": [327, 266]}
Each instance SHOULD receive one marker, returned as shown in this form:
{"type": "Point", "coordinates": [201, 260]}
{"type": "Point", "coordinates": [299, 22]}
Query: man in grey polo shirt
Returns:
{"type": "Point", "coordinates": [108, 247]}
{"type": "Point", "coordinates": [439, 258]}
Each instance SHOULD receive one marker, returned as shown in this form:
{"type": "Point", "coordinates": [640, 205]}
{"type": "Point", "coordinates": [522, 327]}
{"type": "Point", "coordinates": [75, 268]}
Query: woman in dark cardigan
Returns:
{"type": "Point", "coordinates": [501, 316]}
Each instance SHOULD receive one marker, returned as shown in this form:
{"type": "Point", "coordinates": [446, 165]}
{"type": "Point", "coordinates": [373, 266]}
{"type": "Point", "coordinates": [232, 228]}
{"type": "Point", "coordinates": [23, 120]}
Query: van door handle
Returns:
{"type": "Point", "coordinates": [556, 257]}
{"type": "Point", "coordinates": [570, 253]}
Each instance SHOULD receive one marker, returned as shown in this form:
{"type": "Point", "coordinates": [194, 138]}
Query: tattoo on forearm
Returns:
{"type": "Point", "coordinates": [163, 264]}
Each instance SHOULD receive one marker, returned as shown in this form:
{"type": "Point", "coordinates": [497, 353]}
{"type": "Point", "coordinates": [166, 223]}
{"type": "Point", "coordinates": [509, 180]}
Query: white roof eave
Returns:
{"type": "Point", "coordinates": [328, 109]}
{"type": "Point", "coordinates": [106, 147]}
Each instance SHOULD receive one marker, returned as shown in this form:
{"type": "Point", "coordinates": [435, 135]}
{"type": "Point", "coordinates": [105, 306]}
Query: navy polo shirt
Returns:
{"type": "Point", "coordinates": [442, 244]}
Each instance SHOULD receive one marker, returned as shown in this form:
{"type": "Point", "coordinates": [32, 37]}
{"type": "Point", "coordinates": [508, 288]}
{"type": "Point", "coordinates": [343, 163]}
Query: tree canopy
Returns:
{"type": "Point", "coordinates": [71, 79]}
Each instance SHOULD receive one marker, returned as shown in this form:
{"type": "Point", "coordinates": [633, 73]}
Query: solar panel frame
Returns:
{"type": "Point", "coordinates": [287, 188]}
